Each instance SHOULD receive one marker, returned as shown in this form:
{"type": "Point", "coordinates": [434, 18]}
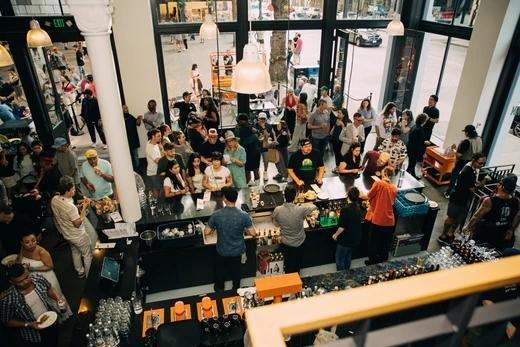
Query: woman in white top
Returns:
{"type": "Point", "coordinates": [23, 165]}
{"type": "Point", "coordinates": [385, 123]}
{"type": "Point", "coordinates": [196, 83]}
{"type": "Point", "coordinates": [38, 260]}
{"type": "Point", "coordinates": [196, 169]}
{"type": "Point", "coordinates": [217, 176]}
{"type": "Point", "coordinates": [174, 185]}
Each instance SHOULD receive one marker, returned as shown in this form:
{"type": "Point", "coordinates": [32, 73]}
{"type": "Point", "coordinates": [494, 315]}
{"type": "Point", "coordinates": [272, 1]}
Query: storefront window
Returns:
{"type": "Point", "coordinates": [191, 65]}
{"type": "Point", "coordinates": [506, 146]}
{"type": "Point", "coordinates": [368, 9]}
{"type": "Point", "coordinates": [191, 11]}
{"type": "Point", "coordinates": [39, 7]}
{"type": "Point", "coordinates": [462, 13]}
{"type": "Point", "coordinates": [285, 9]}
{"type": "Point", "coordinates": [11, 91]}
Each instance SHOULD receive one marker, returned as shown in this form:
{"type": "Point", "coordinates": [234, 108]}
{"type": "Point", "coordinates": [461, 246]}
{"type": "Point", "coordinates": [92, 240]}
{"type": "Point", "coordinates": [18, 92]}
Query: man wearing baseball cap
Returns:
{"type": "Point", "coordinates": [212, 144]}
{"type": "Point", "coordinates": [96, 175]}
{"type": "Point", "coordinates": [185, 108]}
{"type": "Point", "coordinates": [498, 216]}
{"type": "Point", "coordinates": [306, 166]}
{"type": "Point", "coordinates": [66, 159]}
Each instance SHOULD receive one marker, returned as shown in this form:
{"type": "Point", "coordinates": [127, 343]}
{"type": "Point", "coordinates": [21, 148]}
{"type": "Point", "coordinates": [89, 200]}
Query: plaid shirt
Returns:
{"type": "Point", "coordinates": [14, 307]}
{"type": "Point", "coordinates": [396, 150]}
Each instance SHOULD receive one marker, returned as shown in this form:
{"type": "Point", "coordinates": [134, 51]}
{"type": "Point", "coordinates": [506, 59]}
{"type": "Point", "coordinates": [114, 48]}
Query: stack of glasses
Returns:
{"type": "Point", "coordinates": [112, 324]}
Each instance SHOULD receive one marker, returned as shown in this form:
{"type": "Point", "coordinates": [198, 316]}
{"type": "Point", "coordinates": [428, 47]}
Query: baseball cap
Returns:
{"type": "Point", "coordinates": [469, 128]}
{"type": "Point", "coordinates": [58, 142]}
{"type": "Point", "coordinates": [212, 132]}
{"type": "Point", "coordinates": [304, 142]}
{"type": "Point", "coordinates": [262, 115]}
{"type": "Point", "coordinates": [91, 153]}
{"type": "Point", "coordinates": [186, 94]}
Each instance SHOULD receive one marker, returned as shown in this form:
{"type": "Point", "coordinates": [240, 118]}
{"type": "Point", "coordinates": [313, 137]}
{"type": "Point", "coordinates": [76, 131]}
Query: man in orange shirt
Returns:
{"type": "Point", "coordinates": [380, 214]}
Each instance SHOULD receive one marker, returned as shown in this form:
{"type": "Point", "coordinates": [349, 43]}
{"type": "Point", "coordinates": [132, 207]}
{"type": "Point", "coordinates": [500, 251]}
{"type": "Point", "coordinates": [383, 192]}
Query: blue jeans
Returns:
{"type": "Point", "coordinates": [320, 145]}
{"type": "Point", "coordinates": [343, 257]}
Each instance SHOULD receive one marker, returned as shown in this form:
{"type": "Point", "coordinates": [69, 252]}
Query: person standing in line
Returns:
{"type": "Point", "coordinates": [182, 147]}
{"type": "Point", "coordinates": [319, 123]}
{"type": "Point", "coordinates": [324, 95]}
{"type": "Point", "coordinates": [70, 223]}
{"type": "Point", "coordinates": [235, 156]}
{"type": "Point", "coordinates": [311, 90]}
{"type": "Point", "coordinates": [24, 166]}
{"type": "Point", "coordinates": [90, 85]}
{"type": "Point", "coordinates": [348, 234]}
{"type": "Point", "coordinates": [416, 144]}
{"type": "Point", "coordinates": [395, 147]}
{"type": "Point", "coordinates": [405, 124]}
{"type": "Point", "coordinates": [352, 133]}
{"type": "Point", "coordinates": [461, 196]}
{"type": "Point", "coordinates": [196, 83]}
{"type": "Point", "coordinates": [96, 175]}
{"type": "Point", "coordinates": [212, 144]}
{"type": "Point", "coordinates": [267, 137]}
{"type": "Point", "coordinates": [195, 173]}
{"type": "Point", "coordinates": [174, 184]}
{"type": "Point", "coordinates": [230, 223]}
{"type": "Point", "coordinates": [66, 160]}
{"type": "Point", "coordinates": [298, 46]}
{"type": "Point", "coordinates": [433, 116]}
{"type": "Point", "coordinates": [152, 118]}
{"type": "Point", "coordinates": [153, 155]}
{"type": "Point", "coordinates": [131, 124]}
{"type": "Point", "coordinates": [335, 136]}
{"type": "Point", "coordinates": [384, 123]}
{"type": "Point", "coordinates": [28, 297]}
{"type": "Point", "coordinates": [248, 136]}
{"type": "Point", "coordinates": [465, 151]}
{"type": "Point", "coordinates": [289, 218]}
{"type": "Point", "coordinates": [196, 132]}
{"type": "Point", "coordinates": [80, 60]}
{"type": "Point", "coordinates": [92, 116]}
{"type": "Point", "coordinates": [289, 103]}
{"type": "Point", "coordinates": [498, 216]}
{"type": "Point", "coordinates": [186, 107]}
{"type": "Point", "coordinates": [300, 128]}
{"type": "Point", "coordinates": [380, 214]}
{"type": "Point", "coordinates": [283, 137]}
{"type": "Point", "coordinates": [169, 155]}
{"type": "Point", "coordinates": [217, 176]}
{"type": "Point", "coordinates": [337, 98]}
{"type": "Point", "coordinates": [350, 163]}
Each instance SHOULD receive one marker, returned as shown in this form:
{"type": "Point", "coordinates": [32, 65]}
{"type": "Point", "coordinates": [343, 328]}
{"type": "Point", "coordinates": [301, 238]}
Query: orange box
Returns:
{"type": "Point", "coordinates": [148, 313]}
{"type": "Point", "coordinates": [274, 286]}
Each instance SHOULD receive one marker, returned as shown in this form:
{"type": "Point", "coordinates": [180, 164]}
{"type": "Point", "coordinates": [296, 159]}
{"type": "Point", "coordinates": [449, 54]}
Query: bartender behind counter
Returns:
{"type": "Point", "coordinates": [306, 166]}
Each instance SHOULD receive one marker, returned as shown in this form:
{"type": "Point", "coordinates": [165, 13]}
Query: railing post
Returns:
{"type": "Point", "coordinates": [459, 315]}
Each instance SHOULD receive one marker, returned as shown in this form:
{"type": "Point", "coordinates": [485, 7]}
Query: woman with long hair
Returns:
{"type": "Point", "coordinates": [166, 131]}
{"type": "Point", "coordinates": [348, 234]}
{"type": "Point", "coordinates": [24, 166]}
{"type": "Point", "coordinates": [384, 123]}
{"type": "Point", "coordinates": [351, 161]}
{"type": "Point", "coordinates": [289, 103]}
{"type": "Point", "coordinates": [195, 171]}
{"type": "Point", "coordinates": [211, 118]}
{"type": "Point", "coordinates": [174, 185]}
{"type": "Point", "coordinates": [300, 127]}
{"type": "Point", "coordinates": [406, 124]}
{"type": "Point", "coordinates": [369, 116]}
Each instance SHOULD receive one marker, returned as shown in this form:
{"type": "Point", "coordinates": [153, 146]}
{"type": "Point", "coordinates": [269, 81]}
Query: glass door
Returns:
{"type": "Point", "coordinates": [340, 61]}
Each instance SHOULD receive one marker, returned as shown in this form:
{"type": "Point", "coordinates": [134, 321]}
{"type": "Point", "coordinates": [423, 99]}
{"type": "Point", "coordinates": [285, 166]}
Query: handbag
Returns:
{"type": "Point", "coordinates": [273, 156]}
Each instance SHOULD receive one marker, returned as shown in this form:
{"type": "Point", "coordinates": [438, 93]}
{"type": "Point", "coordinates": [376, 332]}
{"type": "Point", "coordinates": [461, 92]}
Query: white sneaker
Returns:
{"type": "Point", "coordinates": [265, 176]}
{"type": "Point", "coordinates": [93, 145]}
{"type": "Point", "coordinates": [105, 146]}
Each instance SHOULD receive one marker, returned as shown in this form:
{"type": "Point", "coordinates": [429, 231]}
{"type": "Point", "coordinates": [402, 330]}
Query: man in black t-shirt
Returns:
{"type": "Point", "coordinates": [433, 116]}
{"type": "Point", "coordinates": [211, 145]}
{"type": "Point", "coordinates": [461, 196]}
{"type": "Point", "coordinates": [185, 108]}
{"type": "Point", "coordinates": [306, 166]}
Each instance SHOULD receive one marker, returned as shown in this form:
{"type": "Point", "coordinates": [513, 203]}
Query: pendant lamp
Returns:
{"type": "Point", "coordinates": [395, 27]}
{"type": "Point", "coordinates": [5, 57]}
{"type": "Point", "coordinates": [208, 29]}
{"type": "Point", "coordinates": [36, 36]}
{"type": "Point", "coordinates": [251, 75]}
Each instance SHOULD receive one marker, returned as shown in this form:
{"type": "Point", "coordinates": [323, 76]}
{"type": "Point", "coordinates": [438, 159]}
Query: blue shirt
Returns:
{"type": "Point", "coordinates": [230, 223]}
{"type": "Point", "coordinates": [103, 187]}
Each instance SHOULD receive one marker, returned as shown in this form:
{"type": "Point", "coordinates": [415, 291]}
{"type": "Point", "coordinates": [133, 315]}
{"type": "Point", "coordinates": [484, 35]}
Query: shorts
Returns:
{"type": "Point", "coordinates": [457, 212]}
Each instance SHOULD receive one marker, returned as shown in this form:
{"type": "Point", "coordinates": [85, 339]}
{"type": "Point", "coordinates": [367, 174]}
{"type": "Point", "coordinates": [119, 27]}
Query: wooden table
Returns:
{"type": "Point", "coordinates": [437, 166]}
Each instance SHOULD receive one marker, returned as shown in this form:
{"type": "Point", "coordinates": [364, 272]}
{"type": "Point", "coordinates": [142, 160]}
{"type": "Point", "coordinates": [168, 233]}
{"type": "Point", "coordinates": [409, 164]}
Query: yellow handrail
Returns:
{"type": "Point", "coordinates": [267, 325]}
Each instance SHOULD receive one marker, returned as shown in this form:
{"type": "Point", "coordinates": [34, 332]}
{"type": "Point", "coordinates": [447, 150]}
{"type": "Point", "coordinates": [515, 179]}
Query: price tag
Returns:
{"type": "Point", "coordinates": [200, 204]}
{"type": "Point", "coordinates": [207, 196]}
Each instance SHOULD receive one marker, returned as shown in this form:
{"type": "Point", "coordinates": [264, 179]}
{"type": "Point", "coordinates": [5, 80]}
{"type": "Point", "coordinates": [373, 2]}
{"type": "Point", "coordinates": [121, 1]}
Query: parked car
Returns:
{"type": "Point", "coordinates": [364, 38]}
{"type": "Point", "coordinates": [515, 125]}
{"type": "Point", "coordinates": [313, 12]}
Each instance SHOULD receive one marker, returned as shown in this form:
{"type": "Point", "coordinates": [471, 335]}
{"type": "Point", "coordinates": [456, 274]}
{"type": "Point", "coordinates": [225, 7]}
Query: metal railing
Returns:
{"type": "Point", "coordinates": [269, 325]}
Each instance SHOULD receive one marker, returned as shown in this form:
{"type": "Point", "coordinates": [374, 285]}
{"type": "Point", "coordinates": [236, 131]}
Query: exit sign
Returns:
{"type": "Point", "coordinates": [58, 22]}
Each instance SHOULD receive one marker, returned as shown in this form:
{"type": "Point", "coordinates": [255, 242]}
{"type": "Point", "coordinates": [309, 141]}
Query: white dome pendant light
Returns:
{"type": "Point", "coordinates": [251, 75]}
{"type": "Point", "coordinates": [395, 27]}
{"type": "Point", "coordinates": [208, 29]}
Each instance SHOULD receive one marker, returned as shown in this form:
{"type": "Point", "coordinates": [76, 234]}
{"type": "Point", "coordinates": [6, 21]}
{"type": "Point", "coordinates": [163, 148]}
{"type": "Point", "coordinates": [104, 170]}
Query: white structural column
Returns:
{"type": "Point", "coordinates": [490, 41]}
{"type": "Point", "coordinates": [94, 19]}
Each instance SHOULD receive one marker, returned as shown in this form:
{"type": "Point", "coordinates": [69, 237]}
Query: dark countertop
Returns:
{"type": "Point", "coordinates": [336, 188]}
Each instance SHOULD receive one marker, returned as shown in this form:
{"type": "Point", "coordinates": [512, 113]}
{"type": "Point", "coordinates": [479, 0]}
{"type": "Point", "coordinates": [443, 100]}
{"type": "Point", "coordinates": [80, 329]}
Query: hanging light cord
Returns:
{"type": "Point", "coordinates": [353, 49]}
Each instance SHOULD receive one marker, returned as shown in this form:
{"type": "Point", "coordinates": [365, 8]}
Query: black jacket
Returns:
{"type": "Point", "coordinates": [90, 109]}
{"type": "Point", "coordinates": [416, 140]}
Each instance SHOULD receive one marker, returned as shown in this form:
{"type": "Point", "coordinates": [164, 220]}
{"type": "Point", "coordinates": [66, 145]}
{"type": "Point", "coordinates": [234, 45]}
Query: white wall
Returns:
{"type": "Point", "coordinates": [490, 42]}
{"type": "Point", "coordinates": [133, 35]}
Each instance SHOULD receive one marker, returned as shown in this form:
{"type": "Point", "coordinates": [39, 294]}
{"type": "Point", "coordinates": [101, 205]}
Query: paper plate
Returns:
{"type": "Point", "coordinates": [9, 258]}
{"type": "Point", "coordinates": [50, 321]}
